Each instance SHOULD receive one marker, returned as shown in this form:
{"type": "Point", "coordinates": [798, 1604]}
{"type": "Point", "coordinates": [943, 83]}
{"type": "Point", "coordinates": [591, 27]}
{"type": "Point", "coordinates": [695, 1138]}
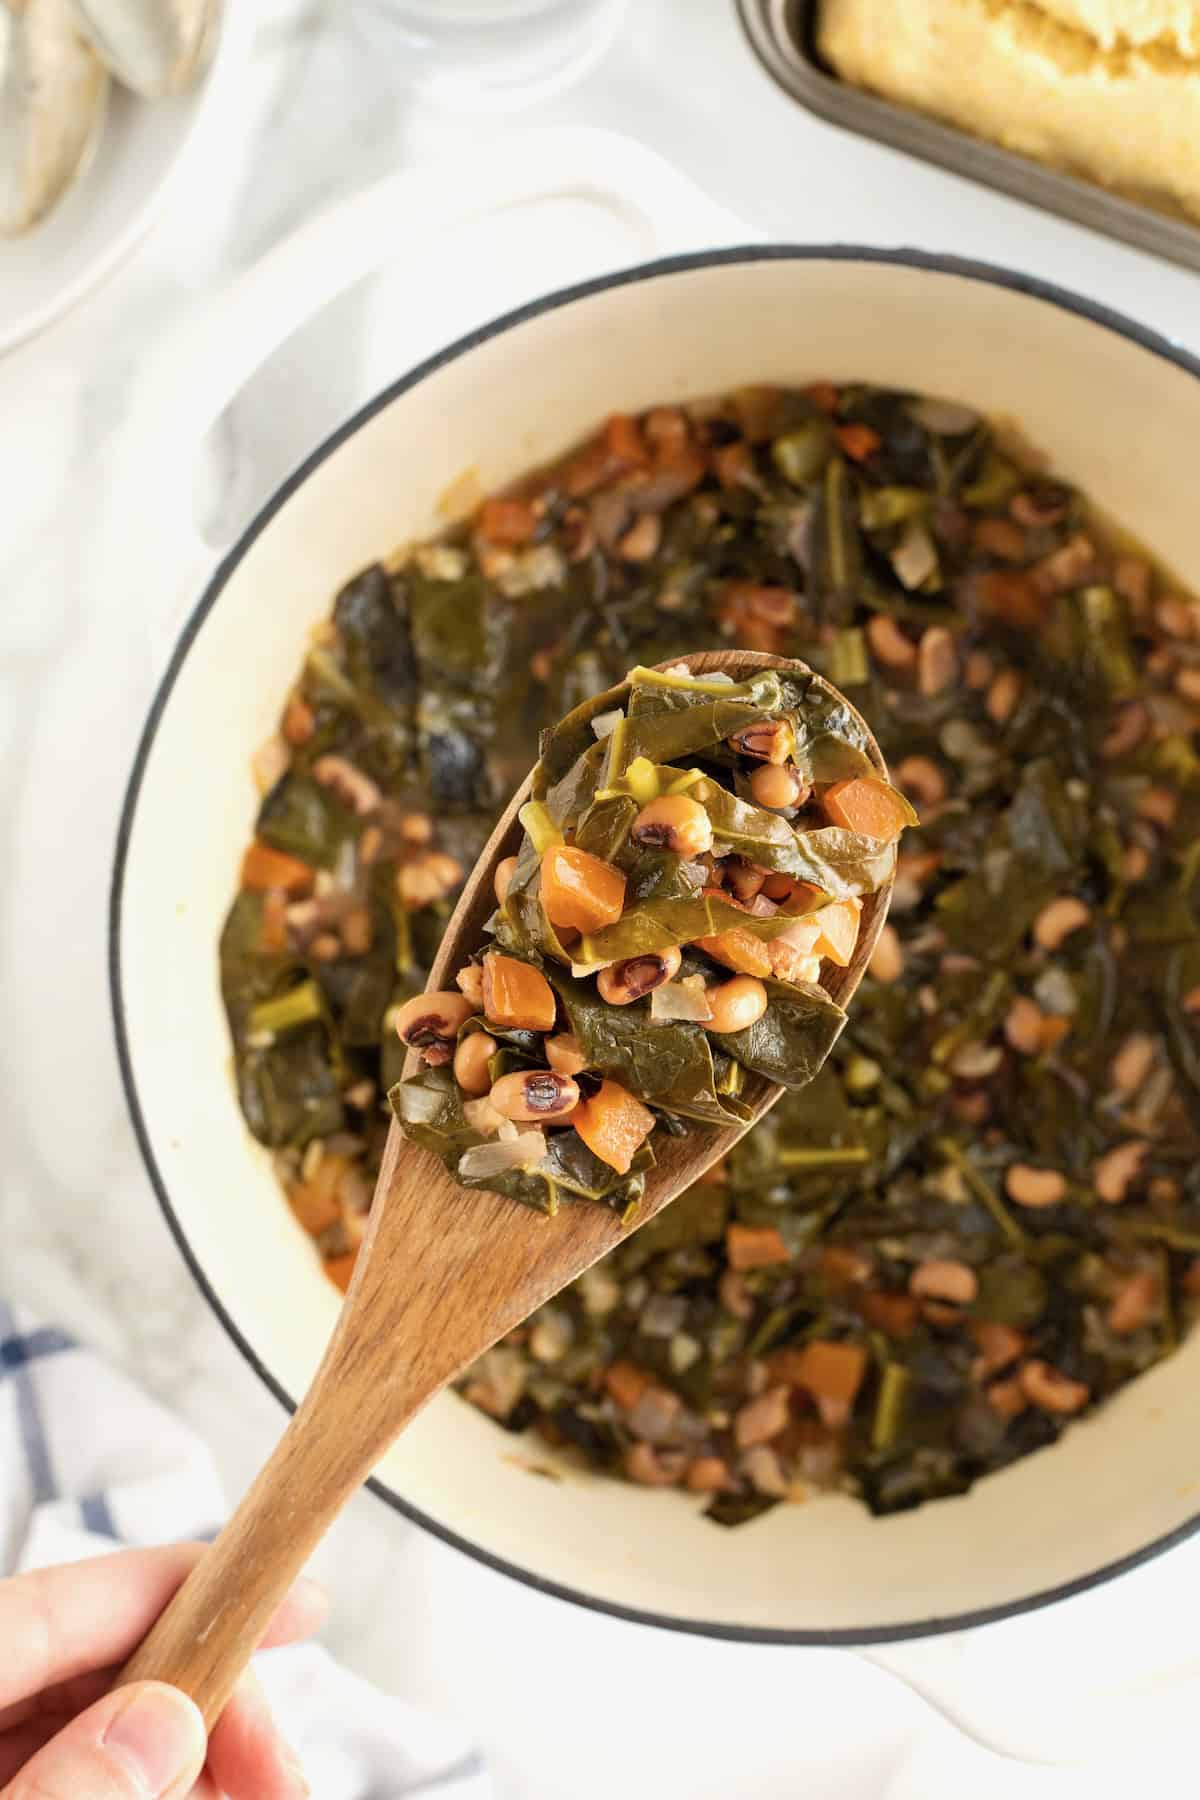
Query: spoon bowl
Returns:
{"type": "Point", "coordinates": [443, 1273]}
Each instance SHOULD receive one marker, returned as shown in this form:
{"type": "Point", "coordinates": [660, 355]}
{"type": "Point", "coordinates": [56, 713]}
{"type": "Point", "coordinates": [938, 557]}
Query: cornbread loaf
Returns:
{"type": "Point", "coordinates": [1126, 117]}
{"type": "Point", "coordinates": [1174, 24]}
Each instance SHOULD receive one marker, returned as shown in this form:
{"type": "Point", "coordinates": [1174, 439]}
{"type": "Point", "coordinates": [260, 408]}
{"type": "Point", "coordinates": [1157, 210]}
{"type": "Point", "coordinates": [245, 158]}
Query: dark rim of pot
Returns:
{"type": "Point", "coordinates": [932, 263]}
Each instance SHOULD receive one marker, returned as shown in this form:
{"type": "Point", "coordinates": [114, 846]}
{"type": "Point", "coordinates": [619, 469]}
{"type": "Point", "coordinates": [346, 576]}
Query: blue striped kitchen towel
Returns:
{"type": "Point", "coordinates": [89, 1463]}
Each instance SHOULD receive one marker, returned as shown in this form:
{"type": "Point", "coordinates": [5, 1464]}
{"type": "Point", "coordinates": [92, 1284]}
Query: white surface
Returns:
{"type": "Point", "coordinates": [566, 1705]}
{"type": "Point", "coordinates": [142, 151]}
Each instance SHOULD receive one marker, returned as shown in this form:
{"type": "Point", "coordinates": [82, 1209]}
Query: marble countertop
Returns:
{"type": "Point", "coordinates": [321, 111]}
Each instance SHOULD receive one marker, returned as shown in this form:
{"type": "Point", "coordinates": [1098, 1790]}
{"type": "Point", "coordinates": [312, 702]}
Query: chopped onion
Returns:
{"type": "Point", "coordinates": [485, 1161]}
{"type": "Point", "coordinates": [421, 1105]}
{"type": "Point", "coordinates": [269, 762]}
{"type": "Point", "coordinates": [682, 1352]}
{"type": "Point", "coordinates": [663, 1315]}
{"type": "Point", "coordinates": [482, 1116]}
{"type": "Point", "coordinates": [498, 1380]}
{"type": "Point", "coordinates": [1054, 992]}
{"type": "Point", "coordinates": [551, 1336]}
{"type": "Point", "coordinates": [944, 417]}
{"type": "Point", "coordinates": [346, 866]}
{"type": "Point", "coordinates": [685, 999]}
{"type": "Point", "coordinates": [764, 1471]}
{"type": "Point", "coordinates": [801, 936]}
{"type": "Point", "coordinates": [581, 971]}
{"type": "Point", "coordinates": [599, 1289]}
{"type": "Point", "coordinates": [799, 535]}
{"type": "Point", "coordinates": [541, 566]}
{"type": "Point", "coordinates": [604, 724]}
{"type": "Point", "coordinates": [655, 1417]}
{"type": "Point", "coordinates": [441, 562]}
{"type": "Point", "coordinates": [914, 558]}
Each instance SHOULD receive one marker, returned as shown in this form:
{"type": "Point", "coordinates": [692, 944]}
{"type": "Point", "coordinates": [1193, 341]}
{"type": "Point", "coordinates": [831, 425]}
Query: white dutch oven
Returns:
{"type": "Point", "coordinates": [1116, 410]}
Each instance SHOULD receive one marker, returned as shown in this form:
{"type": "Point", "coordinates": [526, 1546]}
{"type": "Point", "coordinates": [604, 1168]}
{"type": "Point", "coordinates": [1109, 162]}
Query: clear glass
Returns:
{"type": "Point", "coordinates": [497, 52]}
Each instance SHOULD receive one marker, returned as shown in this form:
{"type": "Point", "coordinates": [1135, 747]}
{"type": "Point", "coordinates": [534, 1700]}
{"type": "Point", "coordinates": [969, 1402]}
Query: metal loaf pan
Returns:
{"type": "Point", "coordinates": [783, 35]}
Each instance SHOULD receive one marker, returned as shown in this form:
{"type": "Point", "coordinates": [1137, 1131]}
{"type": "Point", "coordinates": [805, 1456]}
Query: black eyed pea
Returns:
{"type": "Point", "coordinates": [1055, 923]}
{"type": "Point", "coordinates": [564, 1053]}
{"type": "Point", "coordinates": [768, 740]}
{"type": "Point", "coordinates": [531, 1096]}
{"type": "Point", "coordinates": [502, 877]}
{"type": "Point", "coordinates": [1116, 1169]}
{"type": "Point", "coordinates": [1034, 1187]}
{"type": "Point", "coordinates": [736, 1004]}
{"type": "Point", "coordinates": [1049, 1389]}
{"type": "Point", "coordinates": [623, 982]}
{"type": "Point", "coordinates": [778, 787]}
{"type": "Point", "coordinates": [471, 1060]}
{"type": "Point", "coordinates": [430, 1023]}
{"type": "Point", "coordinates": [470, 980]}
{"type": "Point", "coordinates": [941, 1279]}
{"type": "Point", "coordinates": [674, 822]}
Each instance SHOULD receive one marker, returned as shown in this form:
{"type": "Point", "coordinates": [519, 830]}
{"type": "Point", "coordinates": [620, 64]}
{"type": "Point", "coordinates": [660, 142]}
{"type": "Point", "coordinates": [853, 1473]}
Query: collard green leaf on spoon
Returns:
{"type": "Point", "coordinates": [667, 1065]}
{"type": "Point", "coordinates": [790, 1042]}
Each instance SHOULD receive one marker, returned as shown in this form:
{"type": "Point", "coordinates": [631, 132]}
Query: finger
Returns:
{"type": "Point", "coordinates": [144, 1742]}
{"type": "Point", "coordinates": [57, 1624]}
{"type": "Point", "coordinates": [248, 1758]}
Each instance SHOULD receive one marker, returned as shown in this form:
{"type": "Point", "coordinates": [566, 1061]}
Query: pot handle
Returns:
{"type": "Point", "coordinates": [201, 370]}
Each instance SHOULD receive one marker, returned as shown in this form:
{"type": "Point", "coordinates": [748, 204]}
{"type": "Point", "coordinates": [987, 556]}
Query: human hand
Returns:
{"type": "Point", "coordinates": [64, 1635]}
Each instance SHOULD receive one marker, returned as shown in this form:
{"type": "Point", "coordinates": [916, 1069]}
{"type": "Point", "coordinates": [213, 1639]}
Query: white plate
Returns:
{"type": "Point", "coordinates": [104, 214]}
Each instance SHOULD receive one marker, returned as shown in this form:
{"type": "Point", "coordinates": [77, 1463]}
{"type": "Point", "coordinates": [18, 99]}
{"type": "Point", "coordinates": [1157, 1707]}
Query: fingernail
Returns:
{"type": "Point", "coordinates": [159, 1737]}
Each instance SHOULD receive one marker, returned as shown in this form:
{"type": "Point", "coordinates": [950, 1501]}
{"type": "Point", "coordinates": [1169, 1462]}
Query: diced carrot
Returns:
{"type": "Point", "coordinates": [844, 1268]}
{"type": "Point", "coordinates": [755, 1246]}
{"type": "Point", "coordinates": [786, 1366]}
{"type": "Point", "coordinates": [758, 616]}
{"type": "Point", "coordinates": [626, 1382]}
{"type": "Point", "coordinates": [864, 804]}
{"type": "Point", "coordinates": [264, 868]}
{"type": "Point", "coordinates": [739, 950]}
{"type": "Point", "coordinates": [622, 437]}
{"type": "Point", "coordinates": [707, 1475]}
{"type": "Point", "coordinates": [893, 1314]}
{"type": "Point", "coordinates": [832, 1373]}
{"type": "Point", "coordinates": [516, 994]}
{"type": "Point", "coordinates": [823, 395]}
{"type": "Point", "coordinates": [273, 938]}
{"type": "Point", "coordinates": [617, 449]}
{"type": "Point", "coordinates": [858, 441]}
{"type": "Point", "coordinates": [315, 1201]}
{"type": "Point", "coordinates": [1010, 595]}
{"type": "Point", "coordinates": [838, 926]}
{"type": "Point", "coordinates": [613, 1125]}
{"type": "Point", "coordinates": [579, 891]}
{"type": "Point", "coordinates": [340, 1268]}
{"type": "Point", "coordinates": [508, 522]}
{"type": "Point", "coordinates": [1052, 1031]}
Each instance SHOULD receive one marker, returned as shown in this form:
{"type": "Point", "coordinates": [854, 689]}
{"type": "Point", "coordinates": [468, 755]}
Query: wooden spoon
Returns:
{"type": "Point", "coordinates": [442, 1273]}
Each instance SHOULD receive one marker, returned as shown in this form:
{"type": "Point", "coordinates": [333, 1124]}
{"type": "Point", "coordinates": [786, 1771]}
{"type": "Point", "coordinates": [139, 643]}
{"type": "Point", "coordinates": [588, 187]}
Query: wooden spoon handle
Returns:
{"type": "Point", "coordinates": [208, 1633]}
